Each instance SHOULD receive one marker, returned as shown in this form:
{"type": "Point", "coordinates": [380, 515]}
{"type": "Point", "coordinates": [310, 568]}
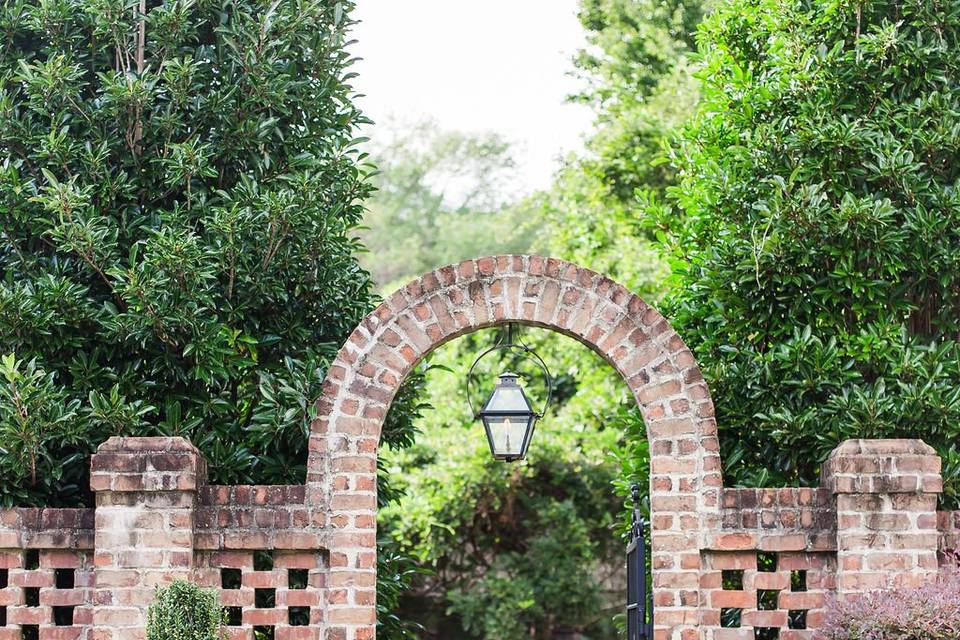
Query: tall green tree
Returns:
{"type": "Point", "coordinates": [442, 197]}
{"type": "Point", "coordinates": [816, 230]}
{"type": "Point", "coordinates": [640, 86]}
{"type": "Point", "coordinates": [178, 191]}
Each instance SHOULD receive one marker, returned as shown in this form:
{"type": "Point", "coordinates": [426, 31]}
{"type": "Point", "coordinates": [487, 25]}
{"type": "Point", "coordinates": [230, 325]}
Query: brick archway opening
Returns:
{"type": "Point", "coordinates": [439, 306]}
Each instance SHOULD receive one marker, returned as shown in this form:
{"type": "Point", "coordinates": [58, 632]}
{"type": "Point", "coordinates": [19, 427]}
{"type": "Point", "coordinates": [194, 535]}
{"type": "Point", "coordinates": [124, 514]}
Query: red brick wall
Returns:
{"type": "Point", "coordinates": [747, 594]}
{"type": "Point", "coordinates": [46, 573]}
{"type": "Point", "coordinates": [769, 565]}
{"type": "Point", "coordinates": [299, 562]}
{"type": "Point", "coordinates": [52, 588]}
{"type": "Point", "coordinates": [692, 519]}
{"type": "Point", "coordinates": [282, 590]}
{"type": "Point", "coordinates": [254, 517]}
{"type": "Point", "coordinates": [886, 495]}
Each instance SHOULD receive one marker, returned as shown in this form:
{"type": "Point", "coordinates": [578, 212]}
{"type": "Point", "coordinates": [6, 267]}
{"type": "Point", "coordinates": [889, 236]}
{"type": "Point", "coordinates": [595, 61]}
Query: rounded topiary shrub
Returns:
{"type": "Point", "coordinates": [185, 611]}
{"type": "Point", "coordinates": [931, 612]}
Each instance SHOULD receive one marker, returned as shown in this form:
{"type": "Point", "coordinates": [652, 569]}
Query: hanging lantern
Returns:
{"type": "Point", "coordinates": [507, 416]}
{"type": "Point", "coordinates": [508, 419]}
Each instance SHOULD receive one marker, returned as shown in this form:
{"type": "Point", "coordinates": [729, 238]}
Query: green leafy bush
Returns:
{"type": "Point", "coordinates": [501, 546]}
{"type": "Point", "coordinates": [176, 217]}
{"type": "Point", "coordinates": [397, 572]}
{"type": "Point", "coordinates": [816, 230]}
{"type": "Point", "coordinates": [544, 586]}
{"type": "Point", "coordinates": [184, 611]}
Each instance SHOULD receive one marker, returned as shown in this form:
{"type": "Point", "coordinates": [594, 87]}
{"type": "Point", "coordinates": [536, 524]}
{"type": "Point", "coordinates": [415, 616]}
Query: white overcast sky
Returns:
{"type": "Point", "coordinates": [476, 65]}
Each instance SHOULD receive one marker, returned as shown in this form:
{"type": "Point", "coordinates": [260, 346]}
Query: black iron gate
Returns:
{"type": "Point", "coordinates": [639, 597]}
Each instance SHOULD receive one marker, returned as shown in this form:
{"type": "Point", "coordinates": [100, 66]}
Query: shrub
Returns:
{"type": "Point", "coordinates": [184, 611]}
{"type": "Point", "coordinates": [817, 231]}
{"type": "Point", "coordinates": [178, 193]}
{"type": "Point", "coordinates": [931, 612]}
{"type": "Point", "coordinates": [511, 550]}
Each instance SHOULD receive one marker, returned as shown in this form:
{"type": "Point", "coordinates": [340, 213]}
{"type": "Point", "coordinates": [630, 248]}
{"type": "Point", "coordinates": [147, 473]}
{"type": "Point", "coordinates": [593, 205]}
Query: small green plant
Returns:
{"type": "Point", "coordinates": [185, 611]}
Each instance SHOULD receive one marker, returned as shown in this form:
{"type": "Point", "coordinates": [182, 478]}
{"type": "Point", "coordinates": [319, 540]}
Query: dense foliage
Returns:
{"type": "Point", "coordinates": [816, 230]}
{"type": "Point", "coordinates": [640, 87]}
{"type": "Point", "coordinates": [184, 611]}
{"type": "Point", "coordinates": [176, 212]}
{"type": "Point", "coordinates": [442, 197]}
{"type": "Point", "coordinates": [514, 550]}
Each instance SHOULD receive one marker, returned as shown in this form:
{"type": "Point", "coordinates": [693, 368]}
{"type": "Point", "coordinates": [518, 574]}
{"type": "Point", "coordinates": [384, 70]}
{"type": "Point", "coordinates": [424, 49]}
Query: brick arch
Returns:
{"type": "Point", "coordinates": [545, 292]}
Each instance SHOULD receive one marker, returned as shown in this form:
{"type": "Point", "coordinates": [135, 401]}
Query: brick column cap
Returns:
{"type": "Point", "coordinates": [153, 444]}
{"type": "Point", "coordinates": [883, 446]}
{"type": "Point", "coordinates": [883, 466]}
{"type": "Point", "coordinates": [127, 464]}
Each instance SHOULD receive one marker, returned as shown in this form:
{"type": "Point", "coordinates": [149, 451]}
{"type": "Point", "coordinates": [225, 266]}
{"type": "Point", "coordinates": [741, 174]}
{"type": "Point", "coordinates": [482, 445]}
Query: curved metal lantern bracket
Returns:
{"type": "Point", "coordinates": [505, 346]}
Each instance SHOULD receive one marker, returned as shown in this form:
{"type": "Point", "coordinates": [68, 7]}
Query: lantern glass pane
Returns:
{"type": "Point", "coordinates": [507, 435]}
{"type": "Point", "coordinates": [507, 398]}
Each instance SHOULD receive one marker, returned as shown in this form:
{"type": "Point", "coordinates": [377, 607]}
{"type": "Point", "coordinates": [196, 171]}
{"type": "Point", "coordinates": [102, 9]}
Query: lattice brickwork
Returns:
{"type": "Point", "coordinates": [45, 594]}
{"type": "Point", "coordinates": [269, 595]}
{"type": "Point", "coordinates": [765, 595]}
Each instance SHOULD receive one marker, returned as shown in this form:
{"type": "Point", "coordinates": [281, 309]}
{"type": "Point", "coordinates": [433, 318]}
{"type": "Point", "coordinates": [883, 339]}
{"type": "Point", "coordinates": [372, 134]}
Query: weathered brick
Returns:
{"type": "Point", "coordinates": [873, 520]}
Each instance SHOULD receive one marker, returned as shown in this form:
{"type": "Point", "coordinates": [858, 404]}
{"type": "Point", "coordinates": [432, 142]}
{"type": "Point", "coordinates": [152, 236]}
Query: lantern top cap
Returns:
{"type": "Point", "coordinates": [508, 376]}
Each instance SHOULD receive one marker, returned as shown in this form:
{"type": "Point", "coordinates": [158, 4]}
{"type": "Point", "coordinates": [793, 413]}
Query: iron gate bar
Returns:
{"type": "Point", "coordinates": [639, 598]}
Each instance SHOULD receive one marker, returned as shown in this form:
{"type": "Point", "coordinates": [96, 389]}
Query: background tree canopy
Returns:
{"type": "Point", "coordinates": [442, 197]}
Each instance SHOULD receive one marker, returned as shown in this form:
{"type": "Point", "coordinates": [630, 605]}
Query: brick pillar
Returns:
{"type": "Point", "coordinates": [886, 494]}
{"type": "Point", "coordinates": [146, 492]}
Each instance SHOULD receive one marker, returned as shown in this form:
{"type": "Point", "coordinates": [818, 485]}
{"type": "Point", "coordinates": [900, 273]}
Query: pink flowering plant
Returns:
{"type": "Point", "coordinates": [931, 612]}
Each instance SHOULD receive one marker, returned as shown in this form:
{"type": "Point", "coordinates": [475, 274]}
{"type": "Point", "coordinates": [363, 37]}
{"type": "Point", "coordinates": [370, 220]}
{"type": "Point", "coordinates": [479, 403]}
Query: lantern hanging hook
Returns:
{"type": "Point", "coordinates": [523, 349]}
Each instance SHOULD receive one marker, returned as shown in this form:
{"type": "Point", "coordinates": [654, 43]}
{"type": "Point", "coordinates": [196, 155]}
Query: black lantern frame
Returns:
{"type": "Point", "coordinates": [531, 417]}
